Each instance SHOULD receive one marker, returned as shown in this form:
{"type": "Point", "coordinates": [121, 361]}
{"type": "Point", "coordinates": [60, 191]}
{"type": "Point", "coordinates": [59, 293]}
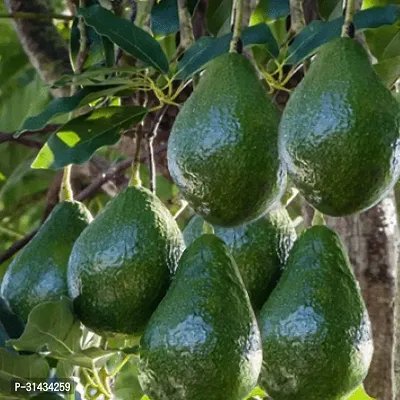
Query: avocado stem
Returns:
{"type": "Point", "coordinates": [348, 26]}
{"type": "Point", "coordinates": [237, 13]}
{"type": "Point", "coordinates": [135, 176]}
{"type": "Point", "coordinates": [66, 193]}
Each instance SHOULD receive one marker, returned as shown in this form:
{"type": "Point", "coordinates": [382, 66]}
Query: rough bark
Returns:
{"type": "Point", "coordinates": [42, 42]}
{"type": "Point", "coordinates": [371, 239]}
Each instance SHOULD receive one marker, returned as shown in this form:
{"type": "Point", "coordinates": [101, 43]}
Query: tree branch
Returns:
{"type": "Point", "coordinates": [8, 137]}
{"type": "Point", "coordinates": [86, 193]}
{"type": "Point", "coordinates": [36, 16]}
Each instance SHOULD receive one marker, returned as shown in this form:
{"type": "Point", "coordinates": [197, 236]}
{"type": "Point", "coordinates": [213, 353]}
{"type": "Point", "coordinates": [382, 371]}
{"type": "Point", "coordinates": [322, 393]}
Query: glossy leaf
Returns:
{"type": "Point", "coordinates": [65, 105]}
{"type": "Point", "coordinates": [218, 15]}
{"type": "Point", "coordinates": [126, 35]}
{"type": "Point", "coordinates": [78, 139]}
{"type": "Point", "coordinates": [318, 33]}
{"type": "Point", "coordinates": [207, 48]}
{"type": "Point", "coordinates": [164, 16]}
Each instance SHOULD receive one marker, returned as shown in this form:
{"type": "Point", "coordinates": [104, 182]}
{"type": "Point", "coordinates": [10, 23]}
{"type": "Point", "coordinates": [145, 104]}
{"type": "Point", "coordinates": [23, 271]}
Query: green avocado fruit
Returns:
{"type": "Point", "coordinates": [260, 249]}
{"type": "Point", "coordinates": [39, 272]}
{"type": "Point", "coordinates": [203, 341]}
{"type": "Point", "coordinates": [317, 339]}
{"type": "Point", "coordinates": [223, 149]}
{"type": "Point", "coordinates": [121, 266]}
{"type": "Point", "coordinates": [340, 132]}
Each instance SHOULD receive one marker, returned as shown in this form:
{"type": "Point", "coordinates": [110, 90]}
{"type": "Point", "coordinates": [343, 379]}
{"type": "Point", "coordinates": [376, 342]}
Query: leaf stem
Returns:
{"type": "Point", "coordinates": [119, 366]}
{"type": "Point", "coordinates": [185, 25]}
{"type": "Point", "coordinates": [348, 27]}
{"type": "Point", "coordinates": [135, 176]}
{"type": "Point", "coordinates": [35, 16]}
{"type": "Point", "coordinates": [237, 25]}
{"type": "Point", "coordinates": [66, 193]}
{"type": "Point", "coordinates": [99, 382]}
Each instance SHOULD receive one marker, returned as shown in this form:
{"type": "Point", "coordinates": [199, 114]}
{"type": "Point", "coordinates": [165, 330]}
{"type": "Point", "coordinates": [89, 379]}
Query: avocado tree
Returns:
{"type": "Point", "coordinates": [120, 120]}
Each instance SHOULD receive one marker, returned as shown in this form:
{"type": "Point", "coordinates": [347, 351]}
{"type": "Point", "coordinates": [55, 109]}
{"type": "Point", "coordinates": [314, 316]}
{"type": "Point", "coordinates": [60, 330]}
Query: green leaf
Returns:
{"type": "Point", "coordinates": [389, 70]}
{"type": "Point", "coordinates": [360, 394]}
{"type": "Point", "coordinates": [65, 105]}
{"type": "Point", "coordinates": [126, 35]}
{"type": "Point", "coordinates": [96, 50]}
{"type": "Point", "coordinates": [164, 16]}
{"type": "Point", "coordinates": [49, 328]}
{"type": "Point", "coordinates": [218, 15]}
{"type": "Point", "coordinates": [127, 385]}
{"type": "Point", "coordinates": [21, 367]}
{"type": "Point", "coordinates": [78, 139]}
{"type": "Point", "coordinates": [379, 39]}
{"type": "Point", "coordinates": [206, 48]}
{"type": "Point", "coordinates": [326, 7]}
{"type": "Point", "coordinates": [270, 10]}
{"type": "Point", "coordinates": [318, 33]}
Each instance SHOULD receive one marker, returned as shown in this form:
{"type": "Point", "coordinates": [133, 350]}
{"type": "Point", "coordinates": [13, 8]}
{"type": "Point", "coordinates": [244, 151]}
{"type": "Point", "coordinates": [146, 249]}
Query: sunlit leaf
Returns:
{"type": "Point", "coordinates": [389, 70]}
{"type": "Point", "coordinates": [360, 394]}
{"type": "Point", "coordinates": [78, 139]}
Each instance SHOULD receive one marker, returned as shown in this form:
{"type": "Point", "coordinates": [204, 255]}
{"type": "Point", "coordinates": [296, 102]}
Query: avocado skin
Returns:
{"type": "Point", "coordinates": [203, 341]}
{"type": "Point", "coordinates": [121, 266]}
{"type": "Point", "coordinates": [223, 148]}
{"type": "Point", "coordinates": [340, 131]}
{"type": "Point", "coordinates": [39, 271]}
{"type": "Point", "coordinates": [317, 340]}
{"type": "Point", "coordinates": [260, 249]}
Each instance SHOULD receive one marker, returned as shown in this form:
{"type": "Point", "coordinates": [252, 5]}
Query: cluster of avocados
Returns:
{"type": "Point", "coordinates": [237, 300]}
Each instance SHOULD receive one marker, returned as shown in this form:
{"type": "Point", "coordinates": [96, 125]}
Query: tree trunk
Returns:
{"type": "Point", "coordinates": [371, 239]}
{"type": "Point", "coordinates": [42, 42]}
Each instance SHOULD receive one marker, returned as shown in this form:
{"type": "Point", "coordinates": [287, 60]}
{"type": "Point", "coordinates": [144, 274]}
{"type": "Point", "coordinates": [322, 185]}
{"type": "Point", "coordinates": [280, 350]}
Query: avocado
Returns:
{"type": "Point", "coordinates": [121, 266]}
{"type": "Point", "coordinates": [223, 149]}
{"type": "Point", "coordinates": [260, 249]}
{"type": "Point", "coordinates": [317, 340]}
{"type": "Point", "coordinates": [39, 272]}
{"type": "Point", "coordinates": [203, 341]}
{"type": "Point", "coordinates": [340, 131]}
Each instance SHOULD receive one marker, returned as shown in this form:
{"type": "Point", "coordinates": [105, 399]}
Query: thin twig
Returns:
{"type": "Point", "coordinates": [150, 140]}
{"type": "Point", "coordinates": [31, 143]}
{"type": "Point", "coordinates": [83, 195]}
{"type": "Point", "coordinates": [35, 16]}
